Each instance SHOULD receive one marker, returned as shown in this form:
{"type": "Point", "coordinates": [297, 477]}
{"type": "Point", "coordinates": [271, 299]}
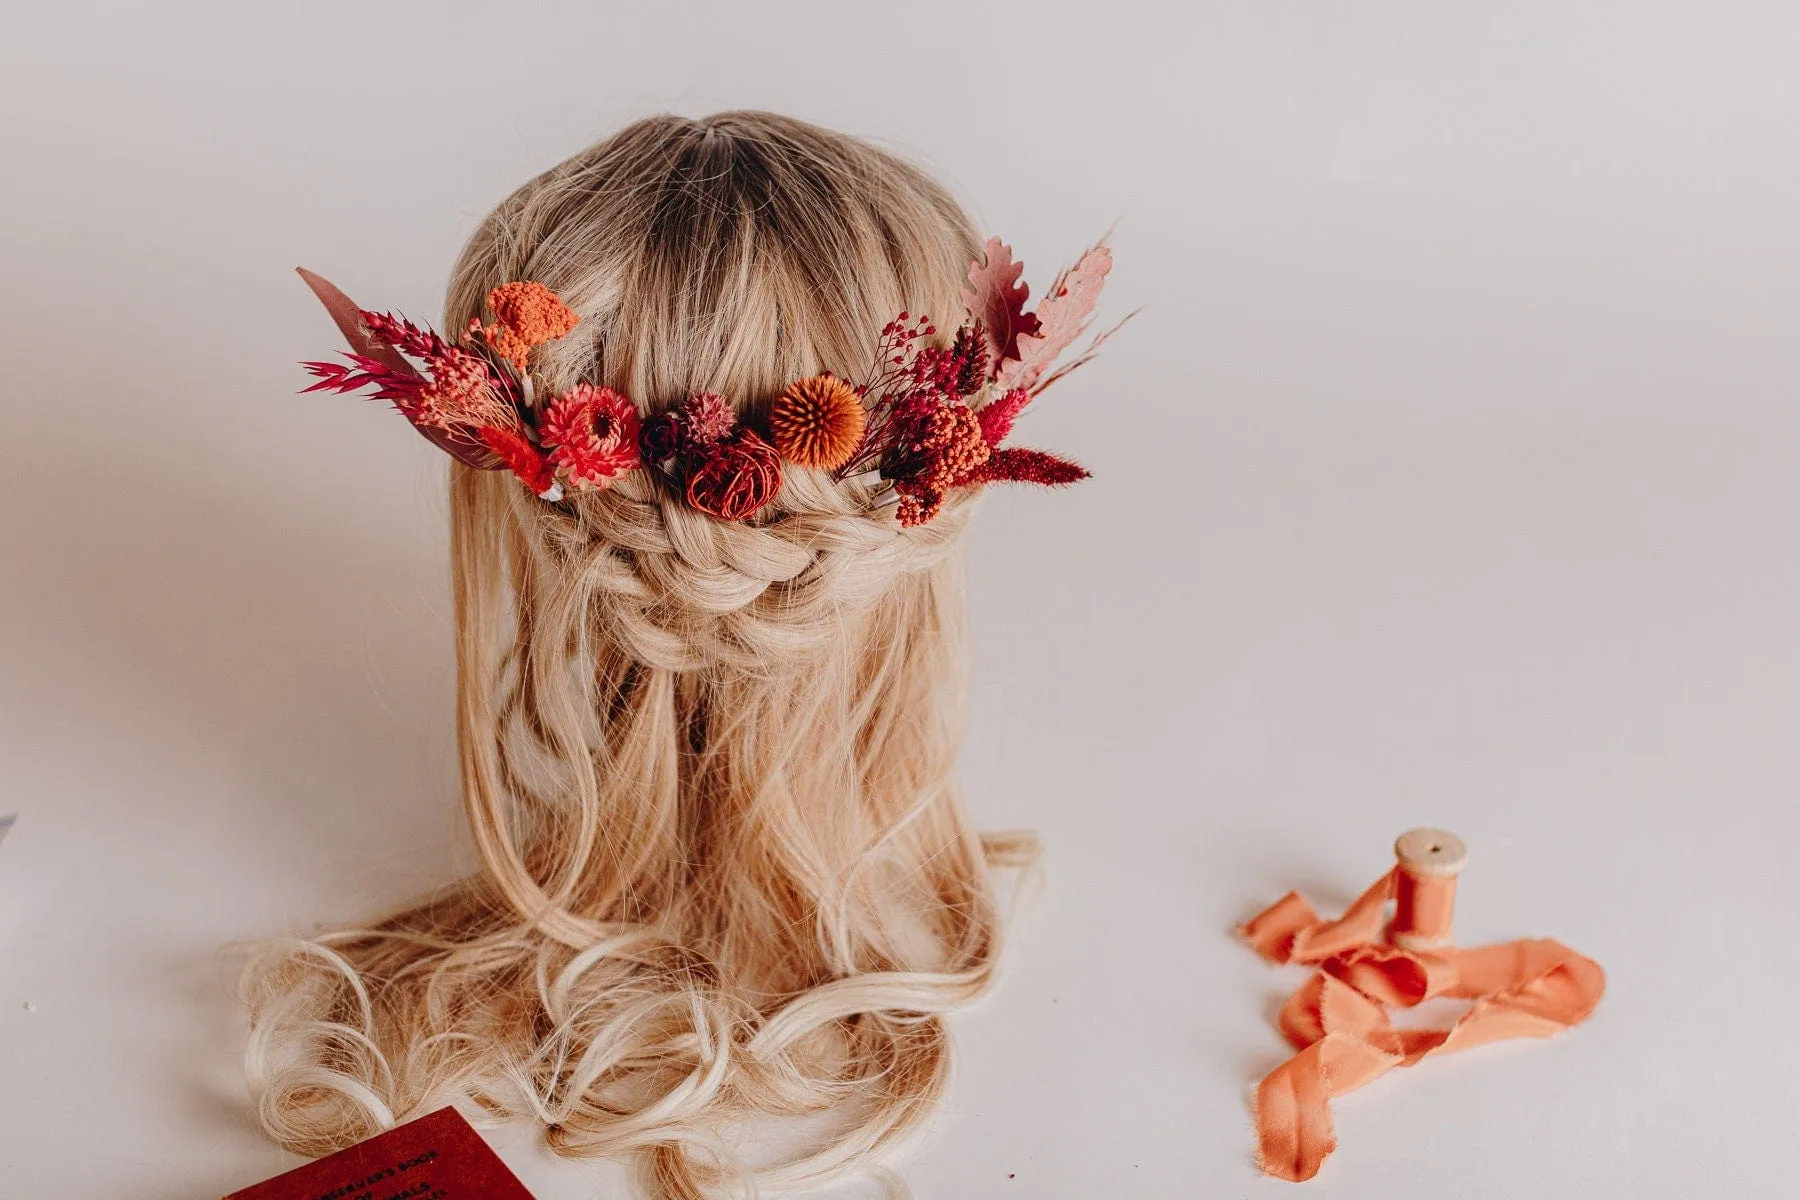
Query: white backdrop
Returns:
{"type": "Point", "coordinates": [1451, 475]}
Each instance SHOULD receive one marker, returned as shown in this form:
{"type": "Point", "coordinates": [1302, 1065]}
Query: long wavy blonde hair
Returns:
{"type": "Point", "coordinates": [725, 874]}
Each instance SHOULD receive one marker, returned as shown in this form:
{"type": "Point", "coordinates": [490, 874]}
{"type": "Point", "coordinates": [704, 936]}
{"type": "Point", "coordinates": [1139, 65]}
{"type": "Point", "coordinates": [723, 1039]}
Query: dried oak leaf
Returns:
{"type": "Point", "coordinates": [1061, 318]}
{"type": "Point", "coordinates": [996, 298]}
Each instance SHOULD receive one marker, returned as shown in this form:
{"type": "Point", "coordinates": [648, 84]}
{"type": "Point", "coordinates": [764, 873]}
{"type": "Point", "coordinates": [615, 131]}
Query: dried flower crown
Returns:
{"type": "Point", "coordinates": [930, 419]}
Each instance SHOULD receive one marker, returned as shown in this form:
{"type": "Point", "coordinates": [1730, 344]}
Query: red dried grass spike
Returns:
{"type": "Point", "coordinates": [335, 377]}
{"type": "Point", "coordinates": [997, 416]}
{"type": "Point", "coordinates": [1020, 465]}
{"type": "Point", "coordinates": [388, 384]}
{"type": "Point", "coordinates": [522, 458]}
{"type": "Point", "coordinates": [400, 334]}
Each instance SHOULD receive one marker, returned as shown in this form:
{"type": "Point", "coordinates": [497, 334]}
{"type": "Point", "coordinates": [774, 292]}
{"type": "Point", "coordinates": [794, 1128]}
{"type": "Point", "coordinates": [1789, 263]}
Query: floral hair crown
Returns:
{"type": "Point", "coordinates": [930, 419]}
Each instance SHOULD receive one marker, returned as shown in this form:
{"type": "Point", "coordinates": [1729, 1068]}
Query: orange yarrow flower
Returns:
{"type": "Point", "coordinates": [952, 447]}
{"type": "Point", "coordinates": [526, 316]}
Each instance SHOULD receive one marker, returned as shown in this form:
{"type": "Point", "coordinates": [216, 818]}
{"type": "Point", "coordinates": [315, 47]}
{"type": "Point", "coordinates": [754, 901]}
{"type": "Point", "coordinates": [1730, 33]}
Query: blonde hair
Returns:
{"type": "Point", "coordinates": [725, 874]}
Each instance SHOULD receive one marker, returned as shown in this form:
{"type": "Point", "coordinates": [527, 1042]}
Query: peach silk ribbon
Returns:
{"type": "Point", "coordinates": [1339, 1023]}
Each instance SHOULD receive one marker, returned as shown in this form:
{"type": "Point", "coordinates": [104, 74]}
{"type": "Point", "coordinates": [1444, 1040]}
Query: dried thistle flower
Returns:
{"type": "Point", "coordinates": [818, 422]}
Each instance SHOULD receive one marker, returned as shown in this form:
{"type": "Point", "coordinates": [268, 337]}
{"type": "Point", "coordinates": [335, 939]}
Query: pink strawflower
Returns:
{"type": "Point", "coordinates": [707, 419]}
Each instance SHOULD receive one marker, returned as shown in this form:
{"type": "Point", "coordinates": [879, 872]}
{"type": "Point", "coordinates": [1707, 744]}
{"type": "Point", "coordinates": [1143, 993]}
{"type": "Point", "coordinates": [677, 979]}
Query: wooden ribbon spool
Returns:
{"type": "Point", "coordinates": [1425, 887]}
{"type": "Point", "coordinates": [1339, 1021]}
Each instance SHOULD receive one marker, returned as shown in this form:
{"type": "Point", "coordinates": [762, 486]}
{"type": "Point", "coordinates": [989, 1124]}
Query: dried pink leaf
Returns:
{"type": "Point", "coordinates": [996, 298]}
{"type": "Point", "coordinates": [1062, 317]}
{"type": "Point", "coordinates": [1086, 356]}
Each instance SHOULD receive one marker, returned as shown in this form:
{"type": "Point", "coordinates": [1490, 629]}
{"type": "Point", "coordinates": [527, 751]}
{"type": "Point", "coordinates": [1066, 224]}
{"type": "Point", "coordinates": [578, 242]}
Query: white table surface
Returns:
{"type": "Point", "coordinates": [1451, 475]}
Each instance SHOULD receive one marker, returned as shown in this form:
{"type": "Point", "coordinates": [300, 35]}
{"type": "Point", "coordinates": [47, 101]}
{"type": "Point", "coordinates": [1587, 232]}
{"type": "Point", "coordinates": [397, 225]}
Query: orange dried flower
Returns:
{"type": "Point", "coordinates": [528, 315]}
{"type": "Point", "coordinates": [818, 422]}
{"type": "Point", "coordinates": [525, 459]}
{"type": "Point", "coordinates": [953, 448]}
{"type": "Point", "coordinates": [918, 504]}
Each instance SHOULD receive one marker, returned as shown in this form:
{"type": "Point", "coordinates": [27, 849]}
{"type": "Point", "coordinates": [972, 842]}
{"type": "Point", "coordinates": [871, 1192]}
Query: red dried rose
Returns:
{"type": "Point", "coordinates": [735, 478]}
{"type": "Point", "coordinates": [663, 437]}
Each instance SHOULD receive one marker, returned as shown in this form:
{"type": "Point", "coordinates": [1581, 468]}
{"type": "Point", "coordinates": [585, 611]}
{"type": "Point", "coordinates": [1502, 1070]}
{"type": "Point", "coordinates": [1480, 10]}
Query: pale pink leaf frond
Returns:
{"type": "Point", "coordinates": [1062, 316]}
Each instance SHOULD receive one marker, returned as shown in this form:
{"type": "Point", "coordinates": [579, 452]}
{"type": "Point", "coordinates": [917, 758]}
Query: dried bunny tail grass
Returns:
{"type": "Point", "coordinates": [725, 877]}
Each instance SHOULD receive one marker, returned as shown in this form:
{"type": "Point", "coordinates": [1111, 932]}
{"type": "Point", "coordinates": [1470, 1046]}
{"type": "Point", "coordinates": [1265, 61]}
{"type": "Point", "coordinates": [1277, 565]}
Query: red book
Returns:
{"type": "Point", "coordinates": [437, 1157]}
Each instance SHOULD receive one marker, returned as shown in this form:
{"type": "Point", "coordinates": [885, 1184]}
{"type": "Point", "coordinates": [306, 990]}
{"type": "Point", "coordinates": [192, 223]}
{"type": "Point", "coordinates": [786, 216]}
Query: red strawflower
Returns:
{"type": "Point", "coordinates": [735, 478]}
{"type": "Point", "coordinates": [592, 434]}
{"type": "Point", "coordinates": [525, 460]}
